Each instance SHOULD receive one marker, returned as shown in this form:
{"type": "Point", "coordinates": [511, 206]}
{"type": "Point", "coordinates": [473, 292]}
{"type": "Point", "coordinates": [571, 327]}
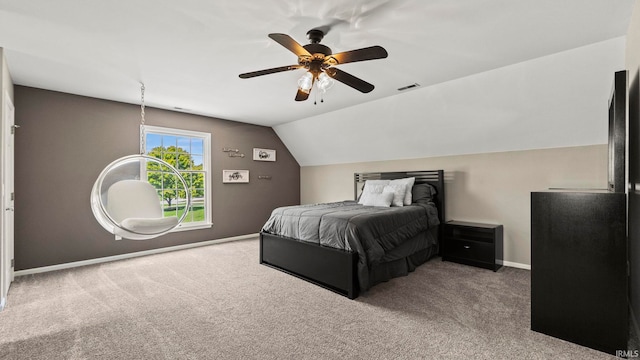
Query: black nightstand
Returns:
{"type": "Point", "coordinates": [473, 244]}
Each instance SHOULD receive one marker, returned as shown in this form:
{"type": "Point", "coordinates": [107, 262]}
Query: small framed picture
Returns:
{"type": "Point", "coordinates": [235, 176]}
{"type": "Point", "coordinates": [264, 154]}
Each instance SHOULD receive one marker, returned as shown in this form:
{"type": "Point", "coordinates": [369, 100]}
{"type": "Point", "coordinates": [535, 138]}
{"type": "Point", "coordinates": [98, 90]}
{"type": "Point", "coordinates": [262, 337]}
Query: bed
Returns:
{"type": "Point", "coordinates": [348, 247]}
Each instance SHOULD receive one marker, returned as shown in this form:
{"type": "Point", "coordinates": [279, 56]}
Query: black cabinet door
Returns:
{"type": "Point", "coordinates": [579, 268]}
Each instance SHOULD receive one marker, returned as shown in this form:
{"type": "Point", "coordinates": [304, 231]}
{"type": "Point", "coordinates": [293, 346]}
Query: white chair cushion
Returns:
{"type": "Point", "coordinates": [133, 199]}
{"type": "Point", "coordinates": [149, 226]}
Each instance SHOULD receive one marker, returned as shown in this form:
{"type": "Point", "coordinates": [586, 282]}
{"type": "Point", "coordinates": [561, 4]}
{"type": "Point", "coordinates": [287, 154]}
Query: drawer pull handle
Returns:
{"type": "Point", "coordinates": [467, 247]}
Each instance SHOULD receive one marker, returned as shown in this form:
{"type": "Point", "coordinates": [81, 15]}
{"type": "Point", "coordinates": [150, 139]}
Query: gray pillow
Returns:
{"type": "Point", "coordinates": [422, 193]}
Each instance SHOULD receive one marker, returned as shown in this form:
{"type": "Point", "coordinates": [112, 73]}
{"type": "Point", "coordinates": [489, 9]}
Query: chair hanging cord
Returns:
{"type": "Point", "coordinates": [142, 137]}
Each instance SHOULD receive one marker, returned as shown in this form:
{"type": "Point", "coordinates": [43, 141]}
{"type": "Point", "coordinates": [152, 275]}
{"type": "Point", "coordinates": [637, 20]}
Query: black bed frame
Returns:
{"type": "Point", "coordinates": [330, 268]}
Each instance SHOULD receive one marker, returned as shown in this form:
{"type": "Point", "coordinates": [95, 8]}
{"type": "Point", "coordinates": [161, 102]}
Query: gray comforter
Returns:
{"type": "Point", "coordinates": [370, 231]}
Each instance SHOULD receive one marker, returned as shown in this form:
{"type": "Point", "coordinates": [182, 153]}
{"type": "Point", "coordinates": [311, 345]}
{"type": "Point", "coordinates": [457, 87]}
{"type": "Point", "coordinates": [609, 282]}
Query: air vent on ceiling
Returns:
{"type": "Point", "coordinates": [414, 85]}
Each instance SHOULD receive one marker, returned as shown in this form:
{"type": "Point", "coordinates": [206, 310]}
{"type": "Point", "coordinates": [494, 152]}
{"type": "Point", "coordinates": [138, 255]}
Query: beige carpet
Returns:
{"type": "Point", "coordinates": [217, 302]}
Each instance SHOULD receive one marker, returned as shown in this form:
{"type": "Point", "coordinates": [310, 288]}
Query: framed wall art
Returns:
{"type": "Point", "coordinates": [235, 176]}
{"type": "Point", "coordinates": [264, 154]}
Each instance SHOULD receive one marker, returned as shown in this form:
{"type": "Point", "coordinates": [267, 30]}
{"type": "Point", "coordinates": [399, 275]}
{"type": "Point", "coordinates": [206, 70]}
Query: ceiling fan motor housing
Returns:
{"type": "Point", "coordinates": [319, 58]}
{"type": "Point", "coordinates": [317, 49]}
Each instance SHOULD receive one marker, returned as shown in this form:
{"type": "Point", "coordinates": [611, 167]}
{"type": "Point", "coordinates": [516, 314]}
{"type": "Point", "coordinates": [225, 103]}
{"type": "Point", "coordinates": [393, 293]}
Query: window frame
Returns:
{"type": "Point", "coordinates": [206, 164]}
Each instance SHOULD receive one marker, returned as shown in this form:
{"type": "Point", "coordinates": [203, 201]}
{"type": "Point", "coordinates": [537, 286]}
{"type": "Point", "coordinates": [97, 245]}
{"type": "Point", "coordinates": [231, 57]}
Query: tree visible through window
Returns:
{"type": "Point", "coordinates": [188, 152]}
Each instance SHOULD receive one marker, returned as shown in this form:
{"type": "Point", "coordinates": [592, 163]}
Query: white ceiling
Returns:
{"type": "Point", "coordinates": [189, 53]}
{"type": "Point", "coordinates": [559, 100]}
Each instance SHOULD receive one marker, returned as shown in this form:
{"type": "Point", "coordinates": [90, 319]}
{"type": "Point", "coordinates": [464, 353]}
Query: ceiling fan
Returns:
{"type": "Point", "coordinates": [319, 62]}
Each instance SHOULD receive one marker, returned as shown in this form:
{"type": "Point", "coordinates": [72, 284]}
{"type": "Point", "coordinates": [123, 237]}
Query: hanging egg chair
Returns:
{"type": "Point", "coordinates": [127, 197]}
{"type": "Point", "coordinates": [127, 205]}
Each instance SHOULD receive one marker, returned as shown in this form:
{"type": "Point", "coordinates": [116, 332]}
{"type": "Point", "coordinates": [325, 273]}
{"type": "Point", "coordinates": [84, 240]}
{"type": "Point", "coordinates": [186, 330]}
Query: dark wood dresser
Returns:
{"type": "Point", "coordinates": [579, 267]}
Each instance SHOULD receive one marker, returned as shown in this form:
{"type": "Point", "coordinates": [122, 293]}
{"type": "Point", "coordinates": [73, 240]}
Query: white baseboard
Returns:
{"type": "Point", "coordinates": [514, 265]}
{"type": "Point", "coordinates": [129, 255]}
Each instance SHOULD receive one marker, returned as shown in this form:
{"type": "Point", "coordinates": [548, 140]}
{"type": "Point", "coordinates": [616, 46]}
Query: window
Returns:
{"type": "Point", "coordinates": [189, 152]}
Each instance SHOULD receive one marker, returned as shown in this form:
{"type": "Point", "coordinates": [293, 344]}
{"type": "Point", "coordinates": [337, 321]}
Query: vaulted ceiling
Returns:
{"type": "Point", "coordinates": [189, 54]}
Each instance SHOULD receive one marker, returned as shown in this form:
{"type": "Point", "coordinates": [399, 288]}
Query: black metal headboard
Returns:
{"type": "Point", "coordinates": [433, 177]}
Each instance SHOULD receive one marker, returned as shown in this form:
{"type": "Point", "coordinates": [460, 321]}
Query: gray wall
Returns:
{"type": "Point", "coordinates": [63, 143]}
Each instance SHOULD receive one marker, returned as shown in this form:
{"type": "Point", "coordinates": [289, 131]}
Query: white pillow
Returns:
{"type": "Point", "coordinates": [398, 191]}
{"type": "Point", "coordinates": [379, 199]}
{"type": "Point", "coordinates": [408, 183]}
{"type": "Point", "coordinates": [372, 187]}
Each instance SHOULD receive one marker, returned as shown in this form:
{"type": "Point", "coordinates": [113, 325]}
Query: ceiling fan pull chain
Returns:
{"type": "Point", "coordinates": [315, 97]}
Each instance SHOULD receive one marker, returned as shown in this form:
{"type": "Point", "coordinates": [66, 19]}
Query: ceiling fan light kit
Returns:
{"type": "Point", "coordinates": [319, 61]}
{"type": "Point", "coordinates": [324, 82]}
{"type": "Point", "coordinates": [306, 82]}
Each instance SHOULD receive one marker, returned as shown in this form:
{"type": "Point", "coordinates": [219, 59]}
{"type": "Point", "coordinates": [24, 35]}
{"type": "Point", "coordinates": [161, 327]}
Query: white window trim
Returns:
{"type": "Point", "coordinates": [206, 149]}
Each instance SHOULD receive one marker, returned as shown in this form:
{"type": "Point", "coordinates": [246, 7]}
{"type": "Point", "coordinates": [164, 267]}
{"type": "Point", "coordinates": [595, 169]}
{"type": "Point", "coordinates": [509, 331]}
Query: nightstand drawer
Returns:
{"type": "Point", "coordinates": [471, 250]}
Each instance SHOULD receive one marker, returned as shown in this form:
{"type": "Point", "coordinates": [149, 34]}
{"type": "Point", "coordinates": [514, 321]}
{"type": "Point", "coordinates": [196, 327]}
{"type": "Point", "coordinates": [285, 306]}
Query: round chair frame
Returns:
{"type": "Point", "coordinates": [108, 222]}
